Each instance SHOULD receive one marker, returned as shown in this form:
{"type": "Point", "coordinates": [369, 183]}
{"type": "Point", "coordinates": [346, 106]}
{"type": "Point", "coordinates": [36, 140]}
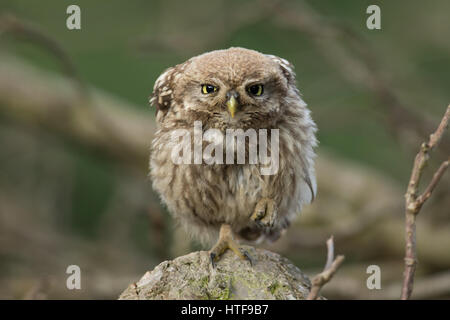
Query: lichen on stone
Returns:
{"type": "Point", "coordinates": [193, 277]}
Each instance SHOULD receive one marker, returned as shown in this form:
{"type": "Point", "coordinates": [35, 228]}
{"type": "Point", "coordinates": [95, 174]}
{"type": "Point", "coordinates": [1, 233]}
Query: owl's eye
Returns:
{"type": "Point", "coordinates": [256, 89]}
{"type": "Point", "coordinates": [208, 88]}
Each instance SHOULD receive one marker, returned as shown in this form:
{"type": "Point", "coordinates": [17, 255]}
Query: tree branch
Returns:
{"type": "Point", "coordinates": [330, 269]}
{"type": "Point", "coordinates": [434, 181]}
{"type": "Point", "coordinates": [414, 203]}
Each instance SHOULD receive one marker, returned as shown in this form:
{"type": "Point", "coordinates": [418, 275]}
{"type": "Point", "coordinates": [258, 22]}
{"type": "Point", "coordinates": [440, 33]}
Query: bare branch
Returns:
{"type": "Point", "coordinates": [434, 181]}
{"type": "Point", "coordinates": [330, 269]}
{"type": "Point", "coordinates": [330, 253]}
{"type": "Point", "coordinates": [414, 203]}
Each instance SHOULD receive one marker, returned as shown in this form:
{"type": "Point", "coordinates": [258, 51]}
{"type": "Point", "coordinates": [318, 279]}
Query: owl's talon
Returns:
{"type": "Point", "coordinates": [225, 242]}
{"type": "Point", "coordinates": [212, 257]}
{"type": "Point", "coordinates": [262, 226]}
{"type": "Point", "coordinates": [248, 257]}
{"type": "Point", "coordinates": [265, 213]}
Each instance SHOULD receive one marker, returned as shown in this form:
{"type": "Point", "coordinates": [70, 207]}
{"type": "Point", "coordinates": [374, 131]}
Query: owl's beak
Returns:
{"type": "Point", "coordinates": [232, 105]}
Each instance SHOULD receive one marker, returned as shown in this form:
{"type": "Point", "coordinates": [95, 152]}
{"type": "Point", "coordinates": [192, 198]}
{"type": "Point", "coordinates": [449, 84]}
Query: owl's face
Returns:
{"type": "Point", "coordinates": [234, 88]}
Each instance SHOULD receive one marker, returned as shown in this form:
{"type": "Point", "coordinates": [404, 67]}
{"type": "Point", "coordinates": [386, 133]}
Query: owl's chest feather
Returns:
{"type": "Point", "coordinates": [211, 194]}
{"type": "Point", "coordinates": [221, 193]}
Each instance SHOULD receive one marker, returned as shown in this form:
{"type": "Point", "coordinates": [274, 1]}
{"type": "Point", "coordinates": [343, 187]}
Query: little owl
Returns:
{"type": "Point", "coordinates": [233, 89]}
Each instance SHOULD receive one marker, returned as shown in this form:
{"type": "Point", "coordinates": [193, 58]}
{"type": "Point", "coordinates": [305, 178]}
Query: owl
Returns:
{"type": "Point", "coordinates": [225, 90]}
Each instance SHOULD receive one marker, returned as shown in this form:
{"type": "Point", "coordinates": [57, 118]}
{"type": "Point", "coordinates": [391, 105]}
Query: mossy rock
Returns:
{"type": "Point", "coordinates": [193, 277]}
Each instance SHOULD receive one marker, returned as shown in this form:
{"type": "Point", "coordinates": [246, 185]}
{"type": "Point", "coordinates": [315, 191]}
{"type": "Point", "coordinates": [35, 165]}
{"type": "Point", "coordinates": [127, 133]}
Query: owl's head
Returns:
{"type": "Point", "coordinates": [233, 88]}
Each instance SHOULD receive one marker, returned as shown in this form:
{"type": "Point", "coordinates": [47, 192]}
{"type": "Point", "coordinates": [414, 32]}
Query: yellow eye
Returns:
{"type": "Point", "coordinates": [256, 89]}
{"type": "Point", "coordinates": [208, 88]}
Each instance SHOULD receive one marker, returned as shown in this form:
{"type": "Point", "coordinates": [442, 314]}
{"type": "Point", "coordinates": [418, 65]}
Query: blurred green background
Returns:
{"type": "Point", "coordinates": [374, 94]}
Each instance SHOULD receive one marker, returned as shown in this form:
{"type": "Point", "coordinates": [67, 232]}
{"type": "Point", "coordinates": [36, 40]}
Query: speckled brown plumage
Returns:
{"type": "Point", "coordinates": [202, 197]}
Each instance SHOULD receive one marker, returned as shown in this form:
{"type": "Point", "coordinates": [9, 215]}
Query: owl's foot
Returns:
{"type": "Point", "coordinates": [226, 241]}
{"type": "Point", "coordinates": [265, 213]}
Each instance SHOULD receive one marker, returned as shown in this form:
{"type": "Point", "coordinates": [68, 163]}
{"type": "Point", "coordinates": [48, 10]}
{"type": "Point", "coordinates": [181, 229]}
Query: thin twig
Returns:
{"type": "Point", "coordinates": [434, 181]}
{"type": "Point", "coordinates": [330, 269]}
{"type": "Point", "coordinates": [330, 253]}
{"type": "Point", "coordinates": [414, 202]}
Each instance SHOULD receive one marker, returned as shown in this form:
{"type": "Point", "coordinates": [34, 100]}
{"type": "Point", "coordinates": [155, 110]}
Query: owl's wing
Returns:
{"type": "Point", "coordinates": [309, 179]}
{"type": "Point", "coordinates": [162, 95]}
{"type": "Point", "coordinates": [286, 67]}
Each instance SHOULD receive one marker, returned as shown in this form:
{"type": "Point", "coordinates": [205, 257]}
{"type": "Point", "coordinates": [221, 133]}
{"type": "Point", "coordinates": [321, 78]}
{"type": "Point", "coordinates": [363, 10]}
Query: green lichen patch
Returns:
{"type": "Point", "coordinates": [193, 277]}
